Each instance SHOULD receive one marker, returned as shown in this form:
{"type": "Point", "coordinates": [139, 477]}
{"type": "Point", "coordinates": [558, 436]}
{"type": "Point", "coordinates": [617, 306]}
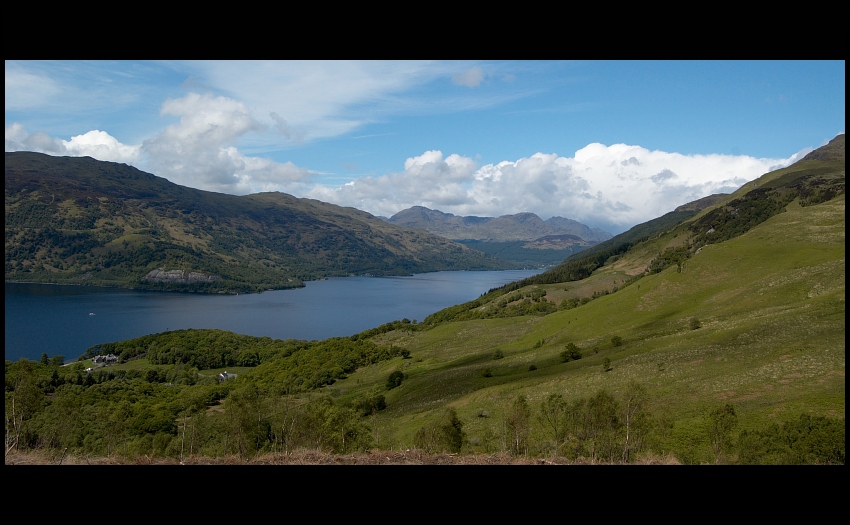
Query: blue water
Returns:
{"type": "Point", "coordinates": [66, 320]}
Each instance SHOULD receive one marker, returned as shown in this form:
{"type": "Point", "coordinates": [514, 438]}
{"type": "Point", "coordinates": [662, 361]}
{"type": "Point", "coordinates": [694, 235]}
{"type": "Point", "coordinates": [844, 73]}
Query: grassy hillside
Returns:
{"type": "Point", "coordinates": [771, 342]}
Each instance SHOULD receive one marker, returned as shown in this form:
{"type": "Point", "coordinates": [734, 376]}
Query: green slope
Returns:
{"type": "Point", "coordinates": [771, 305]}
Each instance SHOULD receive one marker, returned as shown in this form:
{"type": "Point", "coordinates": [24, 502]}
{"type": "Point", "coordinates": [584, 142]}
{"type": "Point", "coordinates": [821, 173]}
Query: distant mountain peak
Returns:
{"type": "Point", "coordinates": [523, 226]}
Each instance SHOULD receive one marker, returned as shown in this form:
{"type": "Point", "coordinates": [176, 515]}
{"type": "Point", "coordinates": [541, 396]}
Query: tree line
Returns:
{"type": "Point", "coordinates": [173, 411]}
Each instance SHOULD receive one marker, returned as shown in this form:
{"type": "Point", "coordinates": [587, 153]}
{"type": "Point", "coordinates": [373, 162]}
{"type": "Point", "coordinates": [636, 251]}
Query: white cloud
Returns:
{"type": "Point", "coordinates": [96, 144]}
{"type": "Point", "coordinates": [428, 180]}
{"type": "Point", "coordinates": [102, 146]}
{"type": "Point", "coordinates": [471, 78]}
{"type": "Point", "coordinates": [613, 187]}
{"type": "Point", "coordinates": [319, 99]}
{"type": "Point", "coordinates": [199, 151]}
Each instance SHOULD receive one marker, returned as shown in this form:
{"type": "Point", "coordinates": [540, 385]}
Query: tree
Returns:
{"type": "Point", "coordinates": [722, 420]}
{"type": "Point", "coordinates": [635, 418]}
{"type": "Point", "coordinates": [44, 359]}
{"type": "Point", "coordinates": [518, 426]}
{"type": "Point", "coordinates": [372, 405]}
{"type": "Point", "coordinates": [571, 351]}
{"type": "Point", "coordinates": [442, 435]}
{"type": "Point", "coordinates": [23, 402]}
{"type": "Point", "coordinates": [617, 341]}
{"type": "Point", "coordinates": [601, 424]}
{"type": "Point", "coordinates": [395, 379]}
{"type": "Point", "coordinates": [606, 365]}
{"type": "Point", "coordinates": [552, 412]}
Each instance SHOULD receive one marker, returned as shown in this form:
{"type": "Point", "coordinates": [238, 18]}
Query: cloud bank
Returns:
{"type": "Point", "coordinates": [198, 151]}
{"type": "Point", "coordinates": [611, 187]}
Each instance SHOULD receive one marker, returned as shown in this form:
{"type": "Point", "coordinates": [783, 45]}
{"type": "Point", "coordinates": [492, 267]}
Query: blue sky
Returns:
{"type": "Point", "coordinates": [608, 143]}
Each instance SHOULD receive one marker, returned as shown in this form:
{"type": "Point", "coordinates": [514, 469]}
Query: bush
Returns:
{"type": "Point", "coordinates": [372, 405]}
{"type": "Point", "coordinates": [694, 323]}
{"type": "Point", "coordinates": [571, 352]}
{"type": "Point", "coordinates": [617, 341]}
{"type": "Point", "coordinates": [807, 440]}
{"type": "Point", "coordinates": [395, 379]}
{"type": "Point", "coordinates": [498, 354]}
{"type": "Point", "coordinates": [443, 435]}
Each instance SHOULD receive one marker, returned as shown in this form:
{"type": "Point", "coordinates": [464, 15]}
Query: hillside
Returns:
{"type": "Point", "coordinates": [671, 344]}
{"type": "Point", "coordinates": [74, 220]}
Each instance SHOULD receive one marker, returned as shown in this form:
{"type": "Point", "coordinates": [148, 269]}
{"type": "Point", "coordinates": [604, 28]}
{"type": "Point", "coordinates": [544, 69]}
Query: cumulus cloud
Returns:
{"type": "Point", "coordinates": [96, 144]}
{"type": "Point", "coordinates": [427, 180]}
{"type": "Point", "coordinates": [611, 187]}
{"type": "Point", "coordinates": [199, 151]}
{"type": "Point", "coordinates": [471, 78]}
{"type": "Point", "coordinates": [101, 145]}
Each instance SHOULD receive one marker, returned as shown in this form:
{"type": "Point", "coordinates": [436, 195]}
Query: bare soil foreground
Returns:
{"type": "Point", "coordinates": [308, 457]}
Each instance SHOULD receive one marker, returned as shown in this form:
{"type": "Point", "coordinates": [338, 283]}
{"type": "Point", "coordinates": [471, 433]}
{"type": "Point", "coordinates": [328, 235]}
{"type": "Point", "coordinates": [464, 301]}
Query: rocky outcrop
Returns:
{"type": "Point", "coordinates": [161, 275]}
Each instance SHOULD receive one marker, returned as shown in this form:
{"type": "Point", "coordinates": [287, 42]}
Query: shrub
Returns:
{"type": "Point", "coordinates": [372, 405]}
{"type": "Point", "coordinates": [617, 341]}
{"type": "Point", "coordinates": [395, 379]}
{"type": "Point", "coordinates": [443, 435]}
{"type": "Point", "coordinates": [498, 354]}
{"type": "Point", "coordinates": [807, 440]}
{"type": "Point", "coordinates": [571, 351]}
{"type": "Point", "coordinates": [694, 323]}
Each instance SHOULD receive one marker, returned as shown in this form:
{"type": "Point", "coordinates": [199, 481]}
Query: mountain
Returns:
{"type": "Point", "coordinates": [76, 220]}
{"type": "Point", "coordinates": [517, 227]}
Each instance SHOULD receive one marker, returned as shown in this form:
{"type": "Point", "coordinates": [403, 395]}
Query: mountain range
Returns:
{"type": "Point", "coordinates": [77, 220]}
{"type": "Point", "coordinates": [517, 227]}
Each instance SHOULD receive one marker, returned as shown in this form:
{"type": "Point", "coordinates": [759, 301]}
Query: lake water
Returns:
{"type": "Point", "coordinates": [66, 320]}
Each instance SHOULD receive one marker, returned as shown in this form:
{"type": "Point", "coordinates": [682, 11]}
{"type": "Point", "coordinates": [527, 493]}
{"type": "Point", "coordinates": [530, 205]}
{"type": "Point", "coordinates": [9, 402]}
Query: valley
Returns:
{"type": "Point", "coordinates": [711, 335]}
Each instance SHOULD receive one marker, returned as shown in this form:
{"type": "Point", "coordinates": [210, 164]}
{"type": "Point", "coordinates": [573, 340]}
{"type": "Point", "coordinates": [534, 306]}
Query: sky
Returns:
{"type": "Point", "coordinates": [610, 144]}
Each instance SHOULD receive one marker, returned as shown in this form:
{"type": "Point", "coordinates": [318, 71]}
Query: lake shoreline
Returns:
{"type": "Point", "coordinates": [54, 318]}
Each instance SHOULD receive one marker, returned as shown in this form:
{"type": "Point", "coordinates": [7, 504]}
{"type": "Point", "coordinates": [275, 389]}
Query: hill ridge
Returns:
{"type": "Point", "coordinates": [77, 220]}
